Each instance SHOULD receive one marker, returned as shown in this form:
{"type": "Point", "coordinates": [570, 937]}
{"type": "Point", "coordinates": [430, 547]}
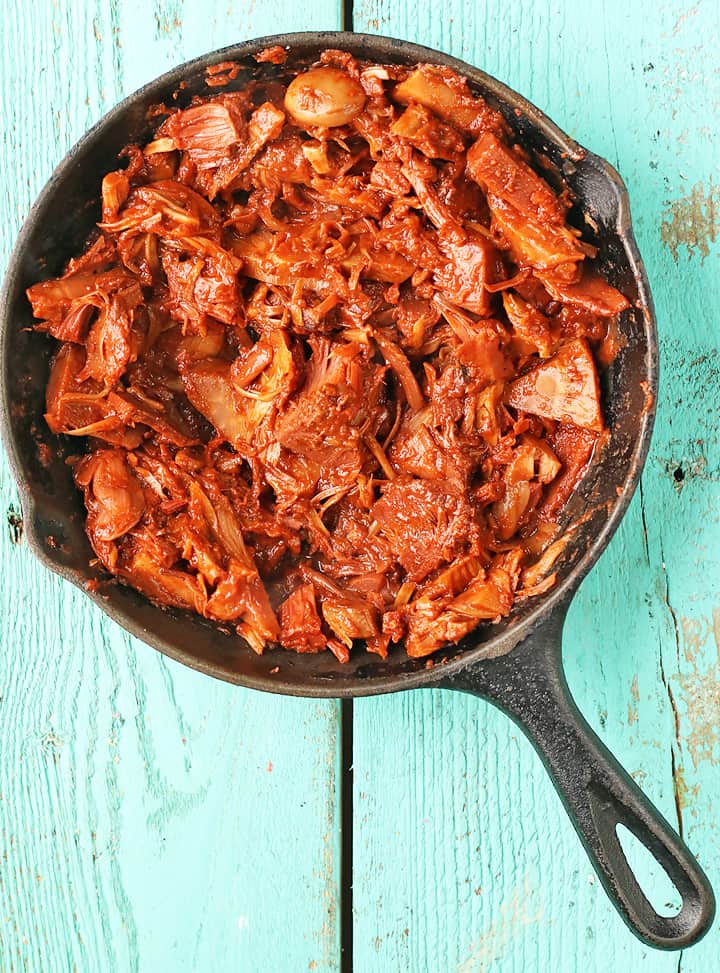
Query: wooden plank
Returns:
{"type": "Point", "coordinates": [463, 857]}
{"type": "Point", "coordinates": [150, 818]}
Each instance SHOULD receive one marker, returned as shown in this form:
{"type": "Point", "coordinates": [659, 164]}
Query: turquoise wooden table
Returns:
{"type": "Point", "coordinates": [154, 820]}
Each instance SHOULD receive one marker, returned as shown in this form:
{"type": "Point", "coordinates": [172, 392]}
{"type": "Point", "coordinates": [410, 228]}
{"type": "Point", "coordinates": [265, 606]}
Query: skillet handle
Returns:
{"type": "Point", "coordinates": [529, 685]}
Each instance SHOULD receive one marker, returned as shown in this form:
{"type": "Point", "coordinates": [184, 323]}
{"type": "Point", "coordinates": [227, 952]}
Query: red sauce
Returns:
{"type": "Point", "coordinates": [333, 352]}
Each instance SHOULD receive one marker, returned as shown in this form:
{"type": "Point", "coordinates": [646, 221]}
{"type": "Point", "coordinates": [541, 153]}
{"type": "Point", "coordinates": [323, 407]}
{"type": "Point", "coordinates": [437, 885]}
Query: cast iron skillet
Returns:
{"type": "Point", "coordinates": [516, 664]}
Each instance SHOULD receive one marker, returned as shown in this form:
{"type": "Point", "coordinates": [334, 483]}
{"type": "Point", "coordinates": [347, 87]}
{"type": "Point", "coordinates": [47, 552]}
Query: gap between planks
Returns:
{"type": "Point", "coordinates": [346, 837]}
{"type": "Point", "coordinates": [346, 786]}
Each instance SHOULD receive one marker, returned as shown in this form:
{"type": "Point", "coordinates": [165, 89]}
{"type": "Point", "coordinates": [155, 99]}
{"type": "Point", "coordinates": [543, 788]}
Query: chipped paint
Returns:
{"type": "Point", "coordinates": [154, 918]}
{"type": "Point", "coordinates": [684, 17]}
{"type": "Point", "coordinates": [686, 796]}
{"type": "Point", "coordinates": [700, 692]}
{"type": "Point", "coordinates": [716, 629]}
{"type": "Point", "coordinates": [521, 908]}
{"type": "Point", "coordinates": [633, 704]}
{"type": "Point", "coordinates": [15, 523]}
{"type": "Point", "coordinates": [696, 633]}
{"type": "Point", "coordinates": [685, 470]}
{"type": "Point", "coordinates": [168, 18]}
{"type": "Point", "coordinates": [692, 221]}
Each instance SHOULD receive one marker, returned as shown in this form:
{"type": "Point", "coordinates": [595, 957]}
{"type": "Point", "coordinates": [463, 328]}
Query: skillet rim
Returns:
{"type": "Point", "coordinates": [351, 685]}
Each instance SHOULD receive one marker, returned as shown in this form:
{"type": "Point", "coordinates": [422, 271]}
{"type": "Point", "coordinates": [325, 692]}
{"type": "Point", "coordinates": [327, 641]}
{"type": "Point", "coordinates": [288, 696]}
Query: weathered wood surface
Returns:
{"type": "Point", "coordinates": [463, 858]}
{"type": "Point", "coordinates": [150, 819]}
{"type": "Point", "coordinates": [153, 820]}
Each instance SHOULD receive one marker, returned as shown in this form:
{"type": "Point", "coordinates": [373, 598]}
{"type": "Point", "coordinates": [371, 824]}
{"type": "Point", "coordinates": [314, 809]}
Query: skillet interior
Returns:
{"type": "Point", "coordinates": [53, 509]}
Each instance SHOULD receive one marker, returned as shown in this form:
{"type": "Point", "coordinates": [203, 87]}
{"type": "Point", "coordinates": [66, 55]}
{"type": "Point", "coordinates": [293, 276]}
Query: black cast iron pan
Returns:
{"type": "Point", "coordinates": [516, 664]}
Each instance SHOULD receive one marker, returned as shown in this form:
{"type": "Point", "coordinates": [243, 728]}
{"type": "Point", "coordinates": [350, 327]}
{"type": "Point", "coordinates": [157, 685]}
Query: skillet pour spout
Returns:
{"type": "Point", "coordinates": [516, 663]}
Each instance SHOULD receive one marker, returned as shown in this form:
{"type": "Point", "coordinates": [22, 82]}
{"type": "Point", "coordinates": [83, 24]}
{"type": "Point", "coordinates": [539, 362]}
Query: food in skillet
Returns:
{"type": "Point", "coordinates": [332, 350]}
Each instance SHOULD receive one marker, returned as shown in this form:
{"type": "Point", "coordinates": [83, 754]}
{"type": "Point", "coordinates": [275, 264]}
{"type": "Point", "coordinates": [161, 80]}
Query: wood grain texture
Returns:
{"type": "Point", "coordinates": [463, 858]}
{"type": "Point", "coordinates": [150, 818]}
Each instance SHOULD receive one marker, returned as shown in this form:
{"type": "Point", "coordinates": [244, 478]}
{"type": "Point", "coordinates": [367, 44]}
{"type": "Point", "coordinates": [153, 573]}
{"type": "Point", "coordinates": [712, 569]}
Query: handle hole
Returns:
{"type": "Point", "coordinates": [657, 886]}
